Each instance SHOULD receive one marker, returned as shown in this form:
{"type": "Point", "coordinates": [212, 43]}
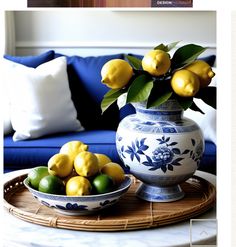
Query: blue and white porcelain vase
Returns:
{"type": "Point", "coordinates": [161, 148]}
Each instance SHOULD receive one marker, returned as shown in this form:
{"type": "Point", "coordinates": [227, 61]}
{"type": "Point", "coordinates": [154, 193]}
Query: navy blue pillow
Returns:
{"type": "Point", "coordinates": [87, 91]}
{"type": "Point", "coordinates": [209, 59]}
{"type": "Point", "coordinates": [88, 70]}
{"type": "Point", "coordinates": [32, 61]}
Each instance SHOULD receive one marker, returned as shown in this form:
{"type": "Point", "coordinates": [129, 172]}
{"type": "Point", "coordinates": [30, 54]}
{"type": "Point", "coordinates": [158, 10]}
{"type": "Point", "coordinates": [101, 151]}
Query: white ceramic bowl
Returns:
{"type": "Point", "coordinates": [80, 205]}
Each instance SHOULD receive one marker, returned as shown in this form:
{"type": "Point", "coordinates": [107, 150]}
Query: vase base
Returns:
{"type": "Point", "coordinates": [159, 194]}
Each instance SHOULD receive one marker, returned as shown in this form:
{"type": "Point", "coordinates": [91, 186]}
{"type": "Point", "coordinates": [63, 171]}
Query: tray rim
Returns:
{"type": "Point", "coordinates": [148, 221]}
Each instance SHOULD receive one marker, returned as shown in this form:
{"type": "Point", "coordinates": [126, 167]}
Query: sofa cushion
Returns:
{"type": "Point", "coordinates": [32, 61]}
{"type": "Point", "coordinates": [30, 153]}
{"type": "Point", "coordinates": [40, 99]}
{"type": "Point", "coordinates": [209, 59]}
{"type": "Point", "coordinates": [88, 91]}
{"type": "Point", "coordinates": [208, 162]}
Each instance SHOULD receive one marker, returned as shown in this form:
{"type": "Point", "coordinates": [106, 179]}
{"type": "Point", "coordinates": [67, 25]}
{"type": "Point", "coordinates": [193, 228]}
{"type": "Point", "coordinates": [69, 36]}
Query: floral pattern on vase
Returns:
{"type": "Point", "coordinates": [159, 146]}
{"type": "Point", "coordinates": [163, 157]}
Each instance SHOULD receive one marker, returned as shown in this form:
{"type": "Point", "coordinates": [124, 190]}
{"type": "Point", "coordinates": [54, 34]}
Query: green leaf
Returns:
{"type": "Point", "coordinates": [194, 107]}
{"type": "Point", "coordinates": [110, 97]}
{"type": "Point", "coordinates": [134, 61]}
{"type": "Point", "coordinates": [185, 103]}
{"type": "Point", "coordinates": [162, 98]}
{"type": "Point", "coordinates": [161, 47]}
{"type": "Point", "coordinates": [166, 48]}
{"type": "Point", "coordinates": [140, 89]}
{"type": "Point", "coordinates": [185, 55]}
{"type": "Point", "coordinates": [172, 45]}
{"type": "Point", "coordinates": [160, 93]}
{"type": "Point", "coordinates": [208, 95]}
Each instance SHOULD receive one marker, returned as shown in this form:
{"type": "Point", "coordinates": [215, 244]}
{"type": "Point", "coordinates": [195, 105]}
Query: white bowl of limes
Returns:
{"type": "Point", "coordinates": [78, 182]}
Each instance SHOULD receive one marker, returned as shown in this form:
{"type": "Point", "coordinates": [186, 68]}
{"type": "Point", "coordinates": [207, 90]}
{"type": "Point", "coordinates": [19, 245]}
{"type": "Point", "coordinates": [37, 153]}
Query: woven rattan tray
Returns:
{"type": "Point", "coordinates": [129, 213]}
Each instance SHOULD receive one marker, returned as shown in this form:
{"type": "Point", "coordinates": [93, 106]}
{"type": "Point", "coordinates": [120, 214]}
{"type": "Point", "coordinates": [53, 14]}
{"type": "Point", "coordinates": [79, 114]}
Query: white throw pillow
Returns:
{"type": "Point", "coordinates": [207, 121]}
{"type": "Point", "coordinates": [40, 99]}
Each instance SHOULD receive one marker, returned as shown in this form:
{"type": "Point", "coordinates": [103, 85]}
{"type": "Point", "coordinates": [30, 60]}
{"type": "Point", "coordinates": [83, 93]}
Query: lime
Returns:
{"type": "Point", "coordinates": [103, 184]}
{"type": "Point", "coordinates": [36, 174]}
{"type": "Point", "coordinates": [52, 185]}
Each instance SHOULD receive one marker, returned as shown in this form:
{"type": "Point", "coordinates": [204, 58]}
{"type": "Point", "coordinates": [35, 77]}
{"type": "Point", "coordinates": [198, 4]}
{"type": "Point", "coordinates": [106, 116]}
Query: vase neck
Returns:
{"type": "Point", "coordinates": [169, 111]}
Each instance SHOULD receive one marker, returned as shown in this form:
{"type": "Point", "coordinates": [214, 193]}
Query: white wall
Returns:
{"type": "Point", "coordinates": [232, 195]}
{"type": "Point", "coordinates": [94, 32]}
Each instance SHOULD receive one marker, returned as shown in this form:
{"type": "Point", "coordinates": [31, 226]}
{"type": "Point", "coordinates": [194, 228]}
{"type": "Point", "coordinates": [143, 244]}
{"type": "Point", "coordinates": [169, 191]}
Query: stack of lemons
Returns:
{"type": "Point", "coordinates": [185, 82]}
{"type": "Point", "coordinates": [75, 171]}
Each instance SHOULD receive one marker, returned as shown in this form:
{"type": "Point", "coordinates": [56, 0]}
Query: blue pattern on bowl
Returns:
{"type": "Point", "coordinates": [80, 205]}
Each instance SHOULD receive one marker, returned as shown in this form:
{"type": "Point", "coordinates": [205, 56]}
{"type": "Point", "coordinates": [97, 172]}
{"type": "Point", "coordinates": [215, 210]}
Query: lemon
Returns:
{"type": "Point", "coordinates": [36, 174]}
{"type": "Point", "coordinates": [60, 165]}
{"type": "Point", "coordinates": [116, 73]}
{"type": "Point", "coordinates": [185, 83]}
{"type": "Point", "coordinates": [115, 171]}
{"type": "Point", "coordinates": [52, 185]}
{"type": "Point", "coordinates": [102, 160]}
{"type": "Point", "coordinates": [71, 175]}
{"type": "Point", "coordinates": [86, 164]}
{"type": "Point", "coordinates": [78, 186]}
{"type": "Point", "coordinates": [203, 70]}
{"type": "Point", "coordinates": [156, 62]}
{"type": "Point", "coordinates": [103, 184]}
{"type": "Point", "coordinates": [72, 148]}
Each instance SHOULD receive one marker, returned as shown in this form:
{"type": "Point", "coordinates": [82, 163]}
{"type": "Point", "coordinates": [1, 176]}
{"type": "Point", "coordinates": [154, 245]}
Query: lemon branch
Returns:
{"type": "Point", "coordinates": [158, 77]}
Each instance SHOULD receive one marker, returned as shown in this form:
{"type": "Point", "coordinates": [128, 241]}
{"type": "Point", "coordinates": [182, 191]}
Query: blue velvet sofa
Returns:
{"type": "Point", "coordinates": [100, 129]}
